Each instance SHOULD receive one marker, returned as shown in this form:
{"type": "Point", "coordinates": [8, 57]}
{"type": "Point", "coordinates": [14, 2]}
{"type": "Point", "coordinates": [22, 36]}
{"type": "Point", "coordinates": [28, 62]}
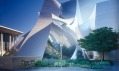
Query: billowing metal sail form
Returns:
{"type": "Point", "coordinates": [62, 25]}
{"type": "Point", "coordinates": [107, 12]}
{"type": "Point", "coordinates": [35, 42]}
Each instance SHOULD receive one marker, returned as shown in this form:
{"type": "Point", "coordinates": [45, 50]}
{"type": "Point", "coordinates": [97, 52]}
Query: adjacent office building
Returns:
{"type": "Point", "coordinates": [8, 38]}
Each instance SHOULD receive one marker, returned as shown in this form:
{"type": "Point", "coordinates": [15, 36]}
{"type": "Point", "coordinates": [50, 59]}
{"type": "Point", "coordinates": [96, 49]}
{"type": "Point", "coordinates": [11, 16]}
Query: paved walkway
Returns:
{"type": "Point", "coordinates": [67, 69]}
{"type": "Point", "coordinates": [111, 68]}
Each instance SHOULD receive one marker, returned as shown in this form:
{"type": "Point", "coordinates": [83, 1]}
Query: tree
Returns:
{"type": "Point", "coordinates": [101, 40]}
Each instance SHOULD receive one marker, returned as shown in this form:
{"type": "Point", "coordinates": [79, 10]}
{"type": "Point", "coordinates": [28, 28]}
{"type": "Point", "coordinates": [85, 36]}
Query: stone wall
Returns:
{"type": "Point", "coordinates": [17, 62]}
{"type": "Point", "coordinates": [6, 62]}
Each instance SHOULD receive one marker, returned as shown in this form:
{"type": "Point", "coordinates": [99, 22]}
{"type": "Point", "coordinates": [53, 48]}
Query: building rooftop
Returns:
{"type": "Point", "coordinates": [9, 30]}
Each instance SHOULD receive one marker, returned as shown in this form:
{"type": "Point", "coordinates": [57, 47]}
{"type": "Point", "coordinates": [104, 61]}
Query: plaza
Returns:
{"type": "Point", "coordinates": [56, 32]}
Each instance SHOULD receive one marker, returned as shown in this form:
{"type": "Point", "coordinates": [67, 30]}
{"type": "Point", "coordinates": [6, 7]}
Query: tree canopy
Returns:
{"type": "Point", "coordinates": [101, 40]}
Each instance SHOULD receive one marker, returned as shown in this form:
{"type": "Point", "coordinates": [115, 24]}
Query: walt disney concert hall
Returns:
{"type": "Point", "coordinates": [59, 26]}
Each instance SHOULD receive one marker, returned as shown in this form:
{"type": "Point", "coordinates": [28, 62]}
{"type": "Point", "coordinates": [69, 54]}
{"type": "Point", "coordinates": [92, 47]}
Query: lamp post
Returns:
{"type": "Point", "coordinates": [61, 45]}
{"type": "Point", "coordinates": [61, 53]}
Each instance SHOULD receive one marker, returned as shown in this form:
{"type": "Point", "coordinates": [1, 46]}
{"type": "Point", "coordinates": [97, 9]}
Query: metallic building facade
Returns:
{"type": "Point", "coordinates": [65, 23]}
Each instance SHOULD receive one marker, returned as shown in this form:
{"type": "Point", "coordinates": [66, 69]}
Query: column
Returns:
{"type": "Point", "coordinates": [16, 39]}
{"type": "Point", "coordinates": [13, 41]}
{"type": "Point", "coordinates": [10, 42]}
{"type": "Point", "coordinates": [1, 44]}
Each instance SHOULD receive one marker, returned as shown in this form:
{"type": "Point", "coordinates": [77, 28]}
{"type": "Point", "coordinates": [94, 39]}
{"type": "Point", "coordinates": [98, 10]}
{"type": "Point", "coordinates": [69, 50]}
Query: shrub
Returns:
{"type": "Point", "coordinates": [42, 64]}
{"type": "Point", "coordinates": [94, 64]}
{"type": "Point", "coordinates": [59, 63]}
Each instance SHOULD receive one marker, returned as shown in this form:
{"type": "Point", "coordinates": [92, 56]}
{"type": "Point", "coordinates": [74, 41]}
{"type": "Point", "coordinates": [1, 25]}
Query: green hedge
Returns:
{"type": "Point", "coordinates": [78, 63]}
{"type": "Point", "coordinates": [92, 63]}
{"type": "Point", "coordinates": [44, 63]}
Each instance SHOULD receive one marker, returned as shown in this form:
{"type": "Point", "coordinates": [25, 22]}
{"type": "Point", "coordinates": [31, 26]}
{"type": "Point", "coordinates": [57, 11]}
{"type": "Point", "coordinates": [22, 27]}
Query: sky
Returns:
{"type": "Point", "coordinates": [20, 14]}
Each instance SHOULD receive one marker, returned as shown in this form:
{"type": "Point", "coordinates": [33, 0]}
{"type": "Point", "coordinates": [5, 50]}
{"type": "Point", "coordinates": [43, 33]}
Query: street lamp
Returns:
{"type": "Point", "coordinates": [61, 45]}
{"type": "Point", "coordinates": [61, 53]}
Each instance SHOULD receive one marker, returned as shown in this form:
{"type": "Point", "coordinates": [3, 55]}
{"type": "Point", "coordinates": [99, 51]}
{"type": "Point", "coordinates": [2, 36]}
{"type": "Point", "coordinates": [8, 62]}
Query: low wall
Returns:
{"type": "Point", "coordinates": [17, 62]}
{"type": "Point", "coordinates": [6, 62]}
{"type": "Point", "coordinates": [113, 55]}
